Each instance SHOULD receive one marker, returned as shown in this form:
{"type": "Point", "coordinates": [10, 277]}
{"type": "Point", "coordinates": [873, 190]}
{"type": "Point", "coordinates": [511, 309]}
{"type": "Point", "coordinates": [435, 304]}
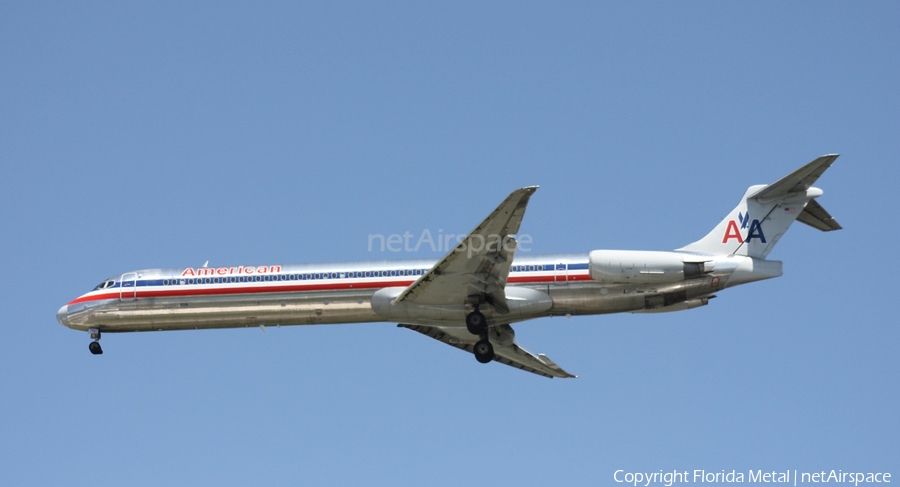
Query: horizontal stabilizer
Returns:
{"type": "Point", "coordinates": [798, 181]}
{"type": "Point", "coordinates": [816, 216]}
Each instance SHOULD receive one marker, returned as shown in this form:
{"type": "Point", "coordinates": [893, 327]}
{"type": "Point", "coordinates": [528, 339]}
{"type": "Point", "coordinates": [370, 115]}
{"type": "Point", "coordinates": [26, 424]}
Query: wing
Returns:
{"type": "Point", "coordinates": [506, 351]}
{"type": "Point", "coordinates": [475, 271]}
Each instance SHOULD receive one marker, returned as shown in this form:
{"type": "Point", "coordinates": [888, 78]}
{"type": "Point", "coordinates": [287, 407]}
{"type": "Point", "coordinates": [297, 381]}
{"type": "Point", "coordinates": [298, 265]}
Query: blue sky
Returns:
{"type": "Point", "coordinates": [136, 136]}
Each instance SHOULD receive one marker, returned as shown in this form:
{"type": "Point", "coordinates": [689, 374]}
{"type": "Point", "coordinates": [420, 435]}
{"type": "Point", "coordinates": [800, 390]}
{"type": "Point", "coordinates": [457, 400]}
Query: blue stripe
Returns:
{"type": "Point", "coordinates": [310, 276]}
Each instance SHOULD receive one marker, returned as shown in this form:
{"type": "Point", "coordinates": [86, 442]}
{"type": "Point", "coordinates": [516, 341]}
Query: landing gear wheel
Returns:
{"type": "Point", "coordinates": [95, 345]}
{"type": "Point", "coordinates": [484, 351]}
{"type": "Point", "coordinates": [476, 323]}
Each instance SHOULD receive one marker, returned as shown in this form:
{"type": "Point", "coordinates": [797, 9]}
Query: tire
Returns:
{"type": "Point", "coordinates": [484, 351]}
{"type": "Point", "coordinates": [476, 323]}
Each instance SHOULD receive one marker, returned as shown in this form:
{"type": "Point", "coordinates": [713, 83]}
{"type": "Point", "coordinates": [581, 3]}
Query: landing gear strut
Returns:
{"type": "Point", "coordinates": [94, 347]}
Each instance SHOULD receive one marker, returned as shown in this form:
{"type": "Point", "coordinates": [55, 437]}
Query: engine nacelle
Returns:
{"type": "Point", "coordinates": [645, 267]}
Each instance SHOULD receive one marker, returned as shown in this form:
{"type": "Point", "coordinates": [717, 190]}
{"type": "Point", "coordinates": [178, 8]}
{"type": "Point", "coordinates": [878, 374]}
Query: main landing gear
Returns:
{"type": "Point", "coordinates": [484, 351]}
{"type": "Point", "coordinates": [94, 347]}
{"type": "Point", "coordinates": [476, 323]}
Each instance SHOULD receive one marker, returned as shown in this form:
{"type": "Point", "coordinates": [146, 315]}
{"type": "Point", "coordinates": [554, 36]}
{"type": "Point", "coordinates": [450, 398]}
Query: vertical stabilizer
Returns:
{"type": "Point", "coordinates": [765, 212]}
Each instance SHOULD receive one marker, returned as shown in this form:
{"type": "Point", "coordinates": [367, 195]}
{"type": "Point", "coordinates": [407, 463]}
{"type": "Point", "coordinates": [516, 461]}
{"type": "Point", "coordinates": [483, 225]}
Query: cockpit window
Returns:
{"type": "Point", "coordinates": [105, 284]}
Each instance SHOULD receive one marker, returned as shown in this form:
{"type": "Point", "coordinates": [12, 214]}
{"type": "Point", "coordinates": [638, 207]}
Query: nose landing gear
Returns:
{"type": "Point", "coordinates": [94, 347]}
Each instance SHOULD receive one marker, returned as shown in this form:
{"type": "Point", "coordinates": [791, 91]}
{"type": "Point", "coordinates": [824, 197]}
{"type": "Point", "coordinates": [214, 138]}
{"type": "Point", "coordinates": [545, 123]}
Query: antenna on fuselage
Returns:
{"type": "Point", "coordinates": [205, 264]}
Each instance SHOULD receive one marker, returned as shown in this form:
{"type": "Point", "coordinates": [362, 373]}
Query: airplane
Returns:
{"type": "Point", "coordinates": [469, 298]}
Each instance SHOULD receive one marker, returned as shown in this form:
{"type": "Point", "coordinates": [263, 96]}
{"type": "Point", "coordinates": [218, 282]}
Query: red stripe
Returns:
{"type": "Point", "coordinates": [288, 289]}
{"type": "Point", "coordinates": [575, 277]}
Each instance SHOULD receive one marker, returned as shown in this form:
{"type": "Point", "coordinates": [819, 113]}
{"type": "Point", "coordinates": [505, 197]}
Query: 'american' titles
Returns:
{"type": "Point", "coordinates": [228, 271]}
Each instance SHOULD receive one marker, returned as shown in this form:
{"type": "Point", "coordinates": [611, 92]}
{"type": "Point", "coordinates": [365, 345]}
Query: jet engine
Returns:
{"type": "Point", "coordinates": [646, 267]}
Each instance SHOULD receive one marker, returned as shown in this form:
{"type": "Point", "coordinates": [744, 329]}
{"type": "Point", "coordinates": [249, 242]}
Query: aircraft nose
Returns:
{"type": "Point", "coordinates": [62, 316]}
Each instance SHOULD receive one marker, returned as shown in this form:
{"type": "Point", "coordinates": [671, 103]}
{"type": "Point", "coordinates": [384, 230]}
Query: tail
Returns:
{"type": "Point", "coordinates": [765, 212]}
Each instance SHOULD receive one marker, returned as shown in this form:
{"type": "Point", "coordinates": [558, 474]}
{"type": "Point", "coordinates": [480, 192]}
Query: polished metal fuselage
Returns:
{"type": "Point", "coordinates": [135, 303]}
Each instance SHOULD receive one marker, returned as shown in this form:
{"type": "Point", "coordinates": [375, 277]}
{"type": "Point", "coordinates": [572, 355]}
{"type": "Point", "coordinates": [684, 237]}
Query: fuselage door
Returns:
{"type": "Point", "coordinates": [128, 286]}
{"type": "Point", "coordinates": [561, 274]}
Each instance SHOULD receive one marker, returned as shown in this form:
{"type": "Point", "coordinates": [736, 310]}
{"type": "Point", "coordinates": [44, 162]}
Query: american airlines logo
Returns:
{"type": "Point", "coordinates": [733, 232]}
{"type": "Point", "coordinates": [230, 271]}
{"type": "Point", "coordinates": [745, 219]}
